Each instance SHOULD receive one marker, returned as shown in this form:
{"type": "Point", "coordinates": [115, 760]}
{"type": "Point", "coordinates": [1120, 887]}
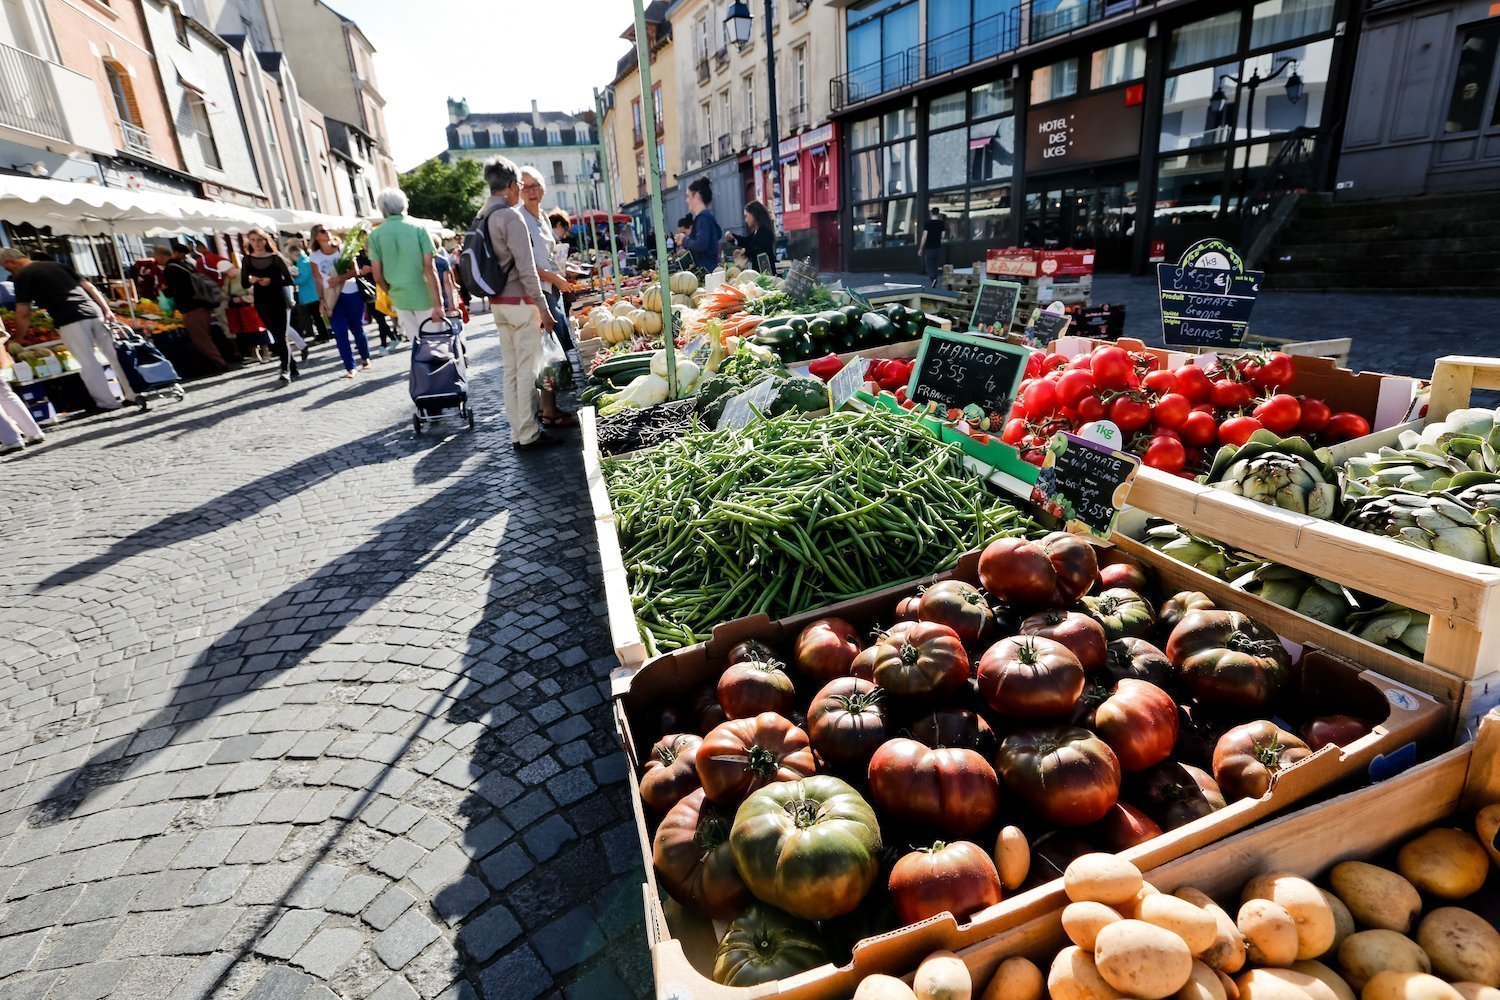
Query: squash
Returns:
{"type": "Point", "coordinates": [684, 283]}
{"type": "Point", "coordinates": [621, 308]}
{"type": "Point", "coordinates": [646, 322]}
{"type": "Point", "coordinates": [651, 298]}
{"type": "Point", "coordinates": [682, 300]}
{"type": "Point", "coordinates": [617, 330]}
{"type": "Point", "coordinates": [597, 316]}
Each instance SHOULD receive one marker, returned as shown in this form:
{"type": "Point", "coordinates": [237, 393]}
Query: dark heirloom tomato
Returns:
{"type": "Point", "coordinates": [744, 754]}
{"type": "Point", "coordinates": [671, 771]}
{"type": "Point", "coordinates": [1124, 827]}
{"type": "Point", "coordinates": [959, 606]}
{"type": "Point", "coordinates": [1139, 722]}
{"type": "Point", "coordinates": [925, 661]}
{"type": "Point", "coordinates": [1339, 730]}
{"type": "Point", "coordinates": [1248, 758]}
{"type": "Point", "coordinates": [1050, 573]}
{"type": "Point", "coordinates": [707, 712]}
{"type": "Point", "coordinates": [1122, 613]}
{"type": "Point", "coordinates": [751, 687]}
{"type": "Point", "coordinates": [951, 791]}
{"type": "Point", "coordinates": [1132, 657]}
{"type": "Point", "coordinates": [810, 847]}
{"type": "Point", "coordinates": [1176, 607]}
{"type": "Point", "coordinates": [763, 945]}
{"type": "Point", "coordinates": [692, 858]}
{"type": "Point", "coordinates": [1228, 660]}
{"type": "Point", "coordinates": [846, 722]}
{"type": "Point", "coordinates": [955, 727]}
{"type": "Point", "coordinates": [906, 608]}
{"type": "Point", "coordinates": [863, 664]}
{"type": "Point", "coordinates": [1083, 636]}
{"type": "Point", "coordinates": [752, 649]}
{"type": "Point", "coordinates": [1123, 575]}
{"type": "Point", "coordinates": [825, 648]}
{"type": "Point", "coordinates": [1067, 775]}
{"type": "Point", "coordinates": [1176, 793]}
{"type": "Point", "coordinates": [957, 878]}
{"type": "Point", "coordinates": [1030, 677]}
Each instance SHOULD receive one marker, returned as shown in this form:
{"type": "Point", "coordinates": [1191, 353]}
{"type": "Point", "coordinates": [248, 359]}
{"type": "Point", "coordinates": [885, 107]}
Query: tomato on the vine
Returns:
{"type": "Point", "coordinates": [1171, 410]}
{"type": "Point", "coordinates": [1111, 367]}
{"type": "Point", "coordinates": [1034, 364]}
{"type": "Point", "coordinates": [1199, 430]}
{"type": "Point", "coordinates": [1315, 416]}
{"type": "Point", "coordinates": [1237, 430]}
{"type": "Point", "coordinates": [1193, 382]}
{"type": "Point", "coordinates": [1231, 395]}
{"type": "Point", "coordinates": [1080, 362]}
{"type": "Point", "coordinates": [1052, 362]}
{"type": "Point", "coordinates": [1277, 369]}
{"type": "Point", "coordinates": [1165, 454]}
{"type": "Point", "coordinates": [1090, 408]}
{"type": "Point", "coordinates": [1073, 385]}
{"type": "Point", "coordinates": [1160, 382]}
{"type": "Point", "coordinates": [1280, 413]}
{"type": "Point", "coordinates": [1343, 426]}
{"type": "Point", "coordinates": [1015, 430]}
{"type": "Point", "coordinates": [1129, 413]}
{"type": "Point", "coordinates": [1039, 398]}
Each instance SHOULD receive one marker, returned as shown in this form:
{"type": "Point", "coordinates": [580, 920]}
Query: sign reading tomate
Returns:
{"type": "Point", "coordinates": [1103, 126]}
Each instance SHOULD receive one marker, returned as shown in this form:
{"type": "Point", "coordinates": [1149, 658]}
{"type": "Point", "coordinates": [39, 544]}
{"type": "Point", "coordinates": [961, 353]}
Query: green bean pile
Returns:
{"type": "Point", "coordinates": [789, 515]}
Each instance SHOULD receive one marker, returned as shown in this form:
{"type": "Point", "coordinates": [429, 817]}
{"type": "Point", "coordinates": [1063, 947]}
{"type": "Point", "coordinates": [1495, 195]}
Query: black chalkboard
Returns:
{"type": "Point", "coordinates": [1081, 482]}
{"type": "Point", "coordinates": [800, 280]}
{"type": "Point", "coordinates": [995, 307]}
{"type": "Point", "coordinates": [1045, 327]}
{"type": "Point", "coordinates": [1205, 307]}
{"type": "Point", "coordinates": [959, 369]}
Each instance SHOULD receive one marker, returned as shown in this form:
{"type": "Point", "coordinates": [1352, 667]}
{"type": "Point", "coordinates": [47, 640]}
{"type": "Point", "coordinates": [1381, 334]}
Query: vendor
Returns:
{"type": "Point", "coordinates": [703, 241]}
{"type": "Point", "coordinates": [759, 239]}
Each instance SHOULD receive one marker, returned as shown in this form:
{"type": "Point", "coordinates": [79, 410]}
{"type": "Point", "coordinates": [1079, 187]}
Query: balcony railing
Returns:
{"type": "Point", "coordinates": [703, 70]}
{"type": "Point", "coordinates": [724, 146]}
{"type": "Point", "coordinates": [706, 153]}
{"type": "Point", "coordinates": [134, 138]}
{"type": "Point", "coordinates": [981, 40]}
{"type": "Point", "coordinates": [28, 100]}
{"type": "Point", "coordinates": [1046, 23]}
{"type": "Point", "coordinates": [747, 137]}
{"type": "Point", "coordinates": [796, 115]}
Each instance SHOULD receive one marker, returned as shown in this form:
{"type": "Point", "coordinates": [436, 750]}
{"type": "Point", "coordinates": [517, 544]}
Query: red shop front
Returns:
{"type": "Point", "coordinates": [810, 185]}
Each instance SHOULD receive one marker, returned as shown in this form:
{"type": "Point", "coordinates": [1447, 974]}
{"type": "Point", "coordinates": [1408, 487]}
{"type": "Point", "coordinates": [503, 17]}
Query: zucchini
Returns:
{"type": "Point", "coordinates": [819, 330]}
{"type": "Point", "coordinates": [897, 312]}
{"type": "Point", "coordinates": [775, 337]}
{"type": "Point", "coordinates": [836, 320]}
{"type": "Point", "coordinates": [916, 319]}
{"type": "Point", "coordinates": [877, 327]}
{"type": "Point", "coordinates": [798, 325]}
{"type": "Point", "coordinates": [614, 368]}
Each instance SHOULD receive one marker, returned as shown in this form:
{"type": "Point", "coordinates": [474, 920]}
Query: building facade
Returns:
{"type": "Point", "coordinates": [563, 147]}
{"type": "Point", "coordinates": [1132, 128]}
{"type": "Point", "coordinates": [625, 124]}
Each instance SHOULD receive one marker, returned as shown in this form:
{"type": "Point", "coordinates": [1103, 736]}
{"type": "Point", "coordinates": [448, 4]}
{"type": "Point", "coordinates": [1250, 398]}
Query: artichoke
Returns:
{"type": "Point", "coordinates": [1434, 521]}
{"type": "Point", "coordinates": [1201, 553]}
{"type": "Point", "coordinates": [1392, 626]}
{"type": "Point", "coordinates": [1275, 583]}
{"type": "Point", "coordinates": [1281, 472]}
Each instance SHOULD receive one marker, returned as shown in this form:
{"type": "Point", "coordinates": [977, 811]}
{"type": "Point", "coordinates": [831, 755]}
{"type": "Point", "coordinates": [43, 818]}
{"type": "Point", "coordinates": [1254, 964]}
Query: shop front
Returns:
{"type": "Point", "coordinates": [810, 194]}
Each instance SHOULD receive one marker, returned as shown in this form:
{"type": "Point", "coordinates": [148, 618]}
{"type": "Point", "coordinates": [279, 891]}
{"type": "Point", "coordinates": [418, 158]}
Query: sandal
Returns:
{"type": "Point", "coordinates": [563, 419]}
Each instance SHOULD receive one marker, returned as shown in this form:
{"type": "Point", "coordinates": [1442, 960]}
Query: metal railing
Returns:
{"type": "Point", "coordinates": [724, 147]}
{"type": "Point", "coordinates": [1045, 24]}
{"type": "Point", "coordinates": [1294, 170]}
{"type": "Point", "coordinates": [703, 70]}
{"type": "Point", "coordinates": [981, 40]}
{"type": "Point", "coordinates": [135, 139]}
{"type": "Point", "coordinates": [28, 98]}
{"type": "Point", "coordinates": [796, 115]}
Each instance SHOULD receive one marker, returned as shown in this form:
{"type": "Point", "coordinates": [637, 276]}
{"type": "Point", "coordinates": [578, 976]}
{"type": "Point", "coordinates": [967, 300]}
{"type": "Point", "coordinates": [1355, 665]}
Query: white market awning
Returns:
{"type": "Point", "coordinates": [77, 209]}
{"type": "Point", "coordinates": [295, 220]}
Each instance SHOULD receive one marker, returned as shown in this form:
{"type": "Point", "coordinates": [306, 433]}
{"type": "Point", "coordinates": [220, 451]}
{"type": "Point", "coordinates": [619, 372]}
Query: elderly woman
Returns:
{"type": "Point", "coordinates": [544, 250]}
{"type": "Point", "coordinates": [401, 262]}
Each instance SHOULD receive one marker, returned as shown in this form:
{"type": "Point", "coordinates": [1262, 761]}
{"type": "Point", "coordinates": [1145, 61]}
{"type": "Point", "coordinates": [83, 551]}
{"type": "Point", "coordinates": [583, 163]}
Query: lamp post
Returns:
{"type": "Point", "coordinates": [609, 189]}
{"type": "Point", "coordinates": [1218, 101]}
{"type": "Point", "coordinates": [738, 22]}
{"type": "Point", "coordinates": [654, 172]}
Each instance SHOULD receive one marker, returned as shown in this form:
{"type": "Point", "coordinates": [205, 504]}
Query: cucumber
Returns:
{"type": "Point", "coordinates": [877, 327]}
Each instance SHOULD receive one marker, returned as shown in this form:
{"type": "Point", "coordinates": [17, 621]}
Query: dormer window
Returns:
{"type": "Point", "coordinates": [582, 132]}
{"type": "Point", "coordinates": [554, 135]}
{"type": "Point", "coordinates": [465, 137]}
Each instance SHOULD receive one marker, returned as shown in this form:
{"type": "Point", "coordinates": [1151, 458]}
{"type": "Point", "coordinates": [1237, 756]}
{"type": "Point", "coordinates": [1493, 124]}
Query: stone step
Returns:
{"type": "Point", "coordinates": [1303, 245]}
{"type": "Point", "coordinates": [1463, 204]}
{"type": "Point", "coordinates": [1352, 231]}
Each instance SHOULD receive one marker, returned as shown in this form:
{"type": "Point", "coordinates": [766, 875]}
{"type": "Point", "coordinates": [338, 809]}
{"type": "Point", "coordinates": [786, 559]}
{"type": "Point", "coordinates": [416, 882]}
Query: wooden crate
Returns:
{"type": "Point", "coordinates": [619, 613]}
{"type": "Point", "coordinates": [587, 349]}
{"type": "Point", "coordinates": [682, 944]}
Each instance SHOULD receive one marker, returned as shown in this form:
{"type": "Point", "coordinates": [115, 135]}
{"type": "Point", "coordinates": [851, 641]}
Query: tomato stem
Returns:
{"type": "Point", "coordinates": [762, 762]}
{"type": "Point", "coordinates": [804, 812]}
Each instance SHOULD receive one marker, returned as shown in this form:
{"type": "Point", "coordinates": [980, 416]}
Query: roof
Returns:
{"type": "Point", "coordinates": [350, 23]}
{"type": "Point", "coordinates": [514, 118]}
{"type": "Point", "coordinates": [270, 61]}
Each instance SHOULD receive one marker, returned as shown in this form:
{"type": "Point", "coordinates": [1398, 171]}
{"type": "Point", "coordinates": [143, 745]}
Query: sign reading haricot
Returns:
{"type": "Point", "coordinates": [995, 307]}
{"type": "Point", "coordinates": [960, 369]}
{"type": "Point", "coordinates": [1084, 483]}
{"type": "Point", "coordinates": [849, 380]}
{"type": "Point", "coordinates": [748, 405]}
{"type": "Point", "coordinates": [1206, 297]}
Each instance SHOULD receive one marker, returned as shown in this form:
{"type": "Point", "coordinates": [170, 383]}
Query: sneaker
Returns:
{"type": "Point", "coordinates": [304, 355]}
{"type": "Point", "coordinates": [542, 440]}
{"type": "Point", "coordinates": [284, 379]}
{"type": "Point", "coordinates": [22, 446]}
{"type": "Point", "coordinates": [365, 363]}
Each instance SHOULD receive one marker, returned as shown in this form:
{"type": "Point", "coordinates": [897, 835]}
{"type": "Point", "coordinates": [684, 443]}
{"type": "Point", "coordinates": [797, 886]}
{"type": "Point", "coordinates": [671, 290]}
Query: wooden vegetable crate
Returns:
{"type": "Point", "coordinates": [1361, 825]}
{"type": "Point", "coordinates": [683, 945]}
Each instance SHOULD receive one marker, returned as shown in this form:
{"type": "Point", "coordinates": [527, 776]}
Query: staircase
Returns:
{"type": "Point", "coordinates": [1445, 245]}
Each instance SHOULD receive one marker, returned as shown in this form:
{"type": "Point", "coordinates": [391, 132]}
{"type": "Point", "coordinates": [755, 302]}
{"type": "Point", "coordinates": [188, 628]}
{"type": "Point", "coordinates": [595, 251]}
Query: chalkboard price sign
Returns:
{"type": "Point", "coordinates": [959, 369]}
{"type": "Point", "coordinates": [1045, 327]}
{"type": "Point", "coordinates": [800, 280]}
{"type": "Point", "coordinates": [1083, 483]}
{"type": "Point", "coordinates": [995, 307]}
{"type": "Point", "coordinates": [1207, 296]}
{"type": "Point", "coordinates": [744, 408]}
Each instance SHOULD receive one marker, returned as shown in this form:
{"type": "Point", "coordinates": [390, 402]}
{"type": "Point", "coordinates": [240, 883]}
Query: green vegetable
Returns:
{"type": "Point", "coordinates": [801, 394]}
{"type": "Point", "coordinates": [878, 327]}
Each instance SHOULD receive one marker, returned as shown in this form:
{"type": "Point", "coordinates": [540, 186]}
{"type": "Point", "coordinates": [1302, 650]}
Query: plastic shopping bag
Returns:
{"type": "Point", "coordinates": [556, 372]}
{"type": "Point", "coordinates": [383, 302]}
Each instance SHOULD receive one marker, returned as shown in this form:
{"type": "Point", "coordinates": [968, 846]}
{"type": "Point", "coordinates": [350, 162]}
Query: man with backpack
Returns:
{"type": "Point", "coordinates": [196, 297]}
{"type": "Point", "coordinates": [497, 262]}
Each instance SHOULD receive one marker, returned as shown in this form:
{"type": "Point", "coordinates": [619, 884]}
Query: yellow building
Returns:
{"type": "Point", "coordinates": [625, 124]}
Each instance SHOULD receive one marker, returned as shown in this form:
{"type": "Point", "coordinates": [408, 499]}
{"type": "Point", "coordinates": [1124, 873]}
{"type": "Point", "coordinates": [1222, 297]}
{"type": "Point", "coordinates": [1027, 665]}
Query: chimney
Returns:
{"type": "Point", "coordinates": [536, 117]}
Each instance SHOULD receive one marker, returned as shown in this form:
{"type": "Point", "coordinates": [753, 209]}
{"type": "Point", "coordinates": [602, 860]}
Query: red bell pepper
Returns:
{"type": "Point", "coordinates": [826, 367]}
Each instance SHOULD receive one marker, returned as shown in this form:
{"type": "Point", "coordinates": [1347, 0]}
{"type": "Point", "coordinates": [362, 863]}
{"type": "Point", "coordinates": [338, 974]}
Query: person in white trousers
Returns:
{"type": "Point", "coordinates": [18, 427]}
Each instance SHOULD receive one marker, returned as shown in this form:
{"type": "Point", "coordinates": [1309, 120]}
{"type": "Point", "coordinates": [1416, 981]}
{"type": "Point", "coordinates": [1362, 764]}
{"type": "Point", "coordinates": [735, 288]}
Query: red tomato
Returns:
{"type": "Point", "coordinates": [1279, 414]}
{"type": "Point", "coordinates": [1111, 367]}
{"type": "Point", "coordinates": [1199, 430]}
{"type": "Point", "coordinates": [1039, 398]}
{"type": "Point", "coordinates": [1165, 454]}
{"type": "Point", "coordinates": [1277, 369]}
{"type": "Point", "coordinates": [1193, 383]}
{"type": "Point", "coordinates": [1129, 414]}
{"type": "Point", "coordinates": [1090, 408]}
{"type": "Point", "coordinates": [1034, 365]}
{"type": "Point", "coordinates": [1172, 409]}
{"type": "Point", "coordinates": [1073, 386]}
{"type": "Point", "coordinates": [1343, 426]}
{"type": "Point", "coordinates": [1139, 722]}
{"type": "Point", "coordinates": [1144, 362]}
{"type": "Point", "coordinates": [1015, 430]}
{"type": "Point", "coordinates": [1237, 430]}
{"type": "Point", "coordinates": [1052, 362]}
{"type": "Point", "coordinates": [952, 792]}
{"type": "Point", "coordinates": [1231, 395]}
{"type": "Point", "coordinates": [1081, 362]}
{"type": "Point", "coordinates": [1160, 382]}
{"type": "Point", "coordinates": [957, 878]}
{"type": "Point", "coordinates": [1315, 416]}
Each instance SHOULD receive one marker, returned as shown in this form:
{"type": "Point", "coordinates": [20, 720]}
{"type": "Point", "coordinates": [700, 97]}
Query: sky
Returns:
{"type": "Point", "coordinates": [500, 54]}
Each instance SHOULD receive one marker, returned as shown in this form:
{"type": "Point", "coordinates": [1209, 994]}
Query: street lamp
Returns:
{"type": "Point", "coordinates": [1216, 104]}
{"type": "Point", "coordinates": [737, 23]}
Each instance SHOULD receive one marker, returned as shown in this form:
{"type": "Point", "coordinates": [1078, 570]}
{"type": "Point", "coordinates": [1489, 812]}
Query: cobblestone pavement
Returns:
{"type": "Point", "coordinates": [295, 703]}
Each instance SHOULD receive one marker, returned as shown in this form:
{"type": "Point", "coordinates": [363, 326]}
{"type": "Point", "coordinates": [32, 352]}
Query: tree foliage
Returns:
{"type": "Point", "coordinates": [452, 193]}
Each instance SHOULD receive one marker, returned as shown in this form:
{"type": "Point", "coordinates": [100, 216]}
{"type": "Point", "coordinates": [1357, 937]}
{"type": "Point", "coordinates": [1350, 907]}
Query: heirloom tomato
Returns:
{"type": "Point", "coordinates": [957, 878]}
{"type": "Point", "coordinates": [1083, 635]}
{"type": "Point", "coordinates": [846, 722]}
{"type": "Point", "coordinates": [1176, 793]}
{"type": "Point", "coordinates": [1228, 660]}
{"type": "Point", "coordinates": [950, 791]}
{"type": "Point", "coordinates": [1139, 722]}
{"type": "Point", "coordinates": [670, 771]}
{"type": "Point", "coordinates": [957, 605]}
{"type": "Point", "coordinates": [1054, 571]}
{"type": "Point", "coordinates": [691, 854]}
{"type": "Point", "coordinates": [1066, 775]}
{"type": "Point", "coordinates": [1137, 658]}
{"type": "Point", "coordinates": [1030, 677]}
{"type": "Point", "coordinates": [925, 661]}
{"type": "Point", "coordinates": [825, 648]}
{"type": "Point", "coordinates": [1122, 613]}
{"type": "Point", "coordinates": [1248, 758]}
{"type": "Point", "coordinates": [751, 687]}
{"type": "Point", "coordinates": [763, 945]}
{"type": "Point", "coordinates": [1124, 827]}
{"type": "Point", "coordinates": [742, 755]}
{"type": "Point", "coordinates": [954, 727]}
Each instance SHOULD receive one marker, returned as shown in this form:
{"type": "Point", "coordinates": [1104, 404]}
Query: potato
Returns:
{"type": "Point", "coordinates": [1462, 946]}
{"type": "Point", "coordinates": [1142, 960]}
{"type": "Point", "coordinates": [1016, 979]}
{"type": "Point", "coordinates": [942, 976]}
{"type": "Point", "coordinates": [1408, 986]}
{"type": "Point", "coordinates": [1367, 953]}
{"type": "Point", "coordinates": [1376, 897]}
{"type": "Point", "coordinates": [1227, 954]}
{"type": "Point", "coordinates": [1265, 984]}
{"type": "Point", "coordinates": [1334, 981]}
{"type": "Point", "coordinates": [879, 987]}
{"type": "Point", "coordinates": [1102, 878]}
{"type": "Point", "coordinates": [1132, 909]}
{"type": "Point", "coordinates": [1448, 864]}
{"type": "Point", "coordinates": [1197, 928]}
{"type": "Point", "coordinates": [1012, 857]}
{"type": "Point", "coordinates": [1311, 986]}
{"type": "Point", "coordinates": [1074, 976]}
{"type": "Point", "coordinates": [1343, 920]}
{"type": "Point", "coordinates": [1203, 984]}
{"type": "Point", "coordinates": [1082, 922]}
{"type": "Point", "coordinates": [1304, 902]}
{"type": "Point", "coordinates": [1487, 825]}
{"type": "Point", "coordinates": [1477, 991]}
{"type": "Point", "coordinates": [1231, 988]}
{"type": "Point", "coordinates": [1270, 932]}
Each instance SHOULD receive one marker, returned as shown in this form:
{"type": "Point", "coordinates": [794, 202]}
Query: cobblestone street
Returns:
{"type": "Point", "coordinates": [296, 703]}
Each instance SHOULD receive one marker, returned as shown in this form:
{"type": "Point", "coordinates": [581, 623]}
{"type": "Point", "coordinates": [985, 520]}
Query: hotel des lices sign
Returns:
{"type": "Point", "coordinates": [1092, 129]}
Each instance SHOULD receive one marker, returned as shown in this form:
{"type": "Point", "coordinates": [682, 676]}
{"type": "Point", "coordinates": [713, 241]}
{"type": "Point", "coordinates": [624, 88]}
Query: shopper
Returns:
{"type": "Point", "coordinates": [554, 283]}
{"type": "Point", "coordinates": [759, 239]}
{"type": "Point", "coordinates": [346, 310]}
{"type": "Point", "coordinates": [382, 320]}
{"type": "Point", "coordinates": [80, 314]}
{"type": "Point", "coordinates": [930, 247]}
{"type": "Point", "coordinates": [189, 291]}
{"type": "Point", "coordinates": [703, 241]}
{"type": "Point", "coordinates": [445, 264]}
{"type": "Point", "coordinates": [520, 310]}
{"type": "Point", "coordinates": [269, 278]}
{"type": "Point", "coordinates": [401, 259]}
{"type": "Point", "coordinates": [245, 325]}
{"type": "Point", "coordinates": [307, 317]}
{"type": "Point", "coordinates": [18, 428]}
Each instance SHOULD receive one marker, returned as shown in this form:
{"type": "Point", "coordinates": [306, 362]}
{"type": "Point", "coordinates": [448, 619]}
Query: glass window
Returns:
{"type": "Point", "coordinates": [864, 59]}
{"type": "Point", "coordinates": [869, 225]}
{"type": "Point", "coordinates": [989, 213]}
{"type": "Point", "coordinates": [900, 124]}
{"type": "Point", "coordinates": [791, 184]}
{"type": "Point", "coordinates": [1187, 120]}
{"type": "Point", "coordinates": [1189, 188]}
{"type": "Point", "coordinates": [992, 148]}
{"type": "Point", "coordinates": [947, 158]}
{"type": "Point", "coordinates": [955, 218]}
{"type": "Point", "coordinates": [901, 168]}
{"type": "Point", "coordinates": [879, 35]}
{"type": "Point", "coordinates": [945, 111]}
{"type": "Point", "coordinates": [1278, 20]}
{"type": "Point", "coordinates": [995, 98]}
{"type": "Point", "coordinates": [1273, 110]}
{"type": "Point", "coordinates": [1471, 80]}
{"type": "Point", "coordinates": [948, 18]}
{"type": "Point", "coordinates": [900, 30]}
{"type": "Point", "coordinates": [867, 177]}
{"type": "Point", "coordinates": [1053, 17]}
{"type": "Point", "coordinates": [1213, 38]}
{"type": "Point", "coordinates": [864, 133]}
{"type": "Point", "coordinates": [900, 222]}
{"type": "Point", "coordinates": [1052, 82]}
{"type": "Point", "coordinates": [1118, 64]}
{"type": "Point", "coordinates": [860, 11]}
{"type": "Point", "coordinates": [203, 127]}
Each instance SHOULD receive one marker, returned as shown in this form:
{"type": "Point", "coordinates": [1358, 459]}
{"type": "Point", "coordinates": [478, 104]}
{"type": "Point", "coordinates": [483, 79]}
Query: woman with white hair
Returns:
{"type": "Point", "coordinates": [401, 263]}
{"type": "Point", "coordinates": [544, 251]}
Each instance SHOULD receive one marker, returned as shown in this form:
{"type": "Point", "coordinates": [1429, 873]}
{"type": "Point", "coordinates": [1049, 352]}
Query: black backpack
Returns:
{"type": "Point", "coordinates": [205, 291]}
{"type": "Point", "coordinates": [479, 270]}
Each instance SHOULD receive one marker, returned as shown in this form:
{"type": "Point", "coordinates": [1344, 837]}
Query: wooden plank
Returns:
{"type": "Point", "coordinates": [1454, 378]}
